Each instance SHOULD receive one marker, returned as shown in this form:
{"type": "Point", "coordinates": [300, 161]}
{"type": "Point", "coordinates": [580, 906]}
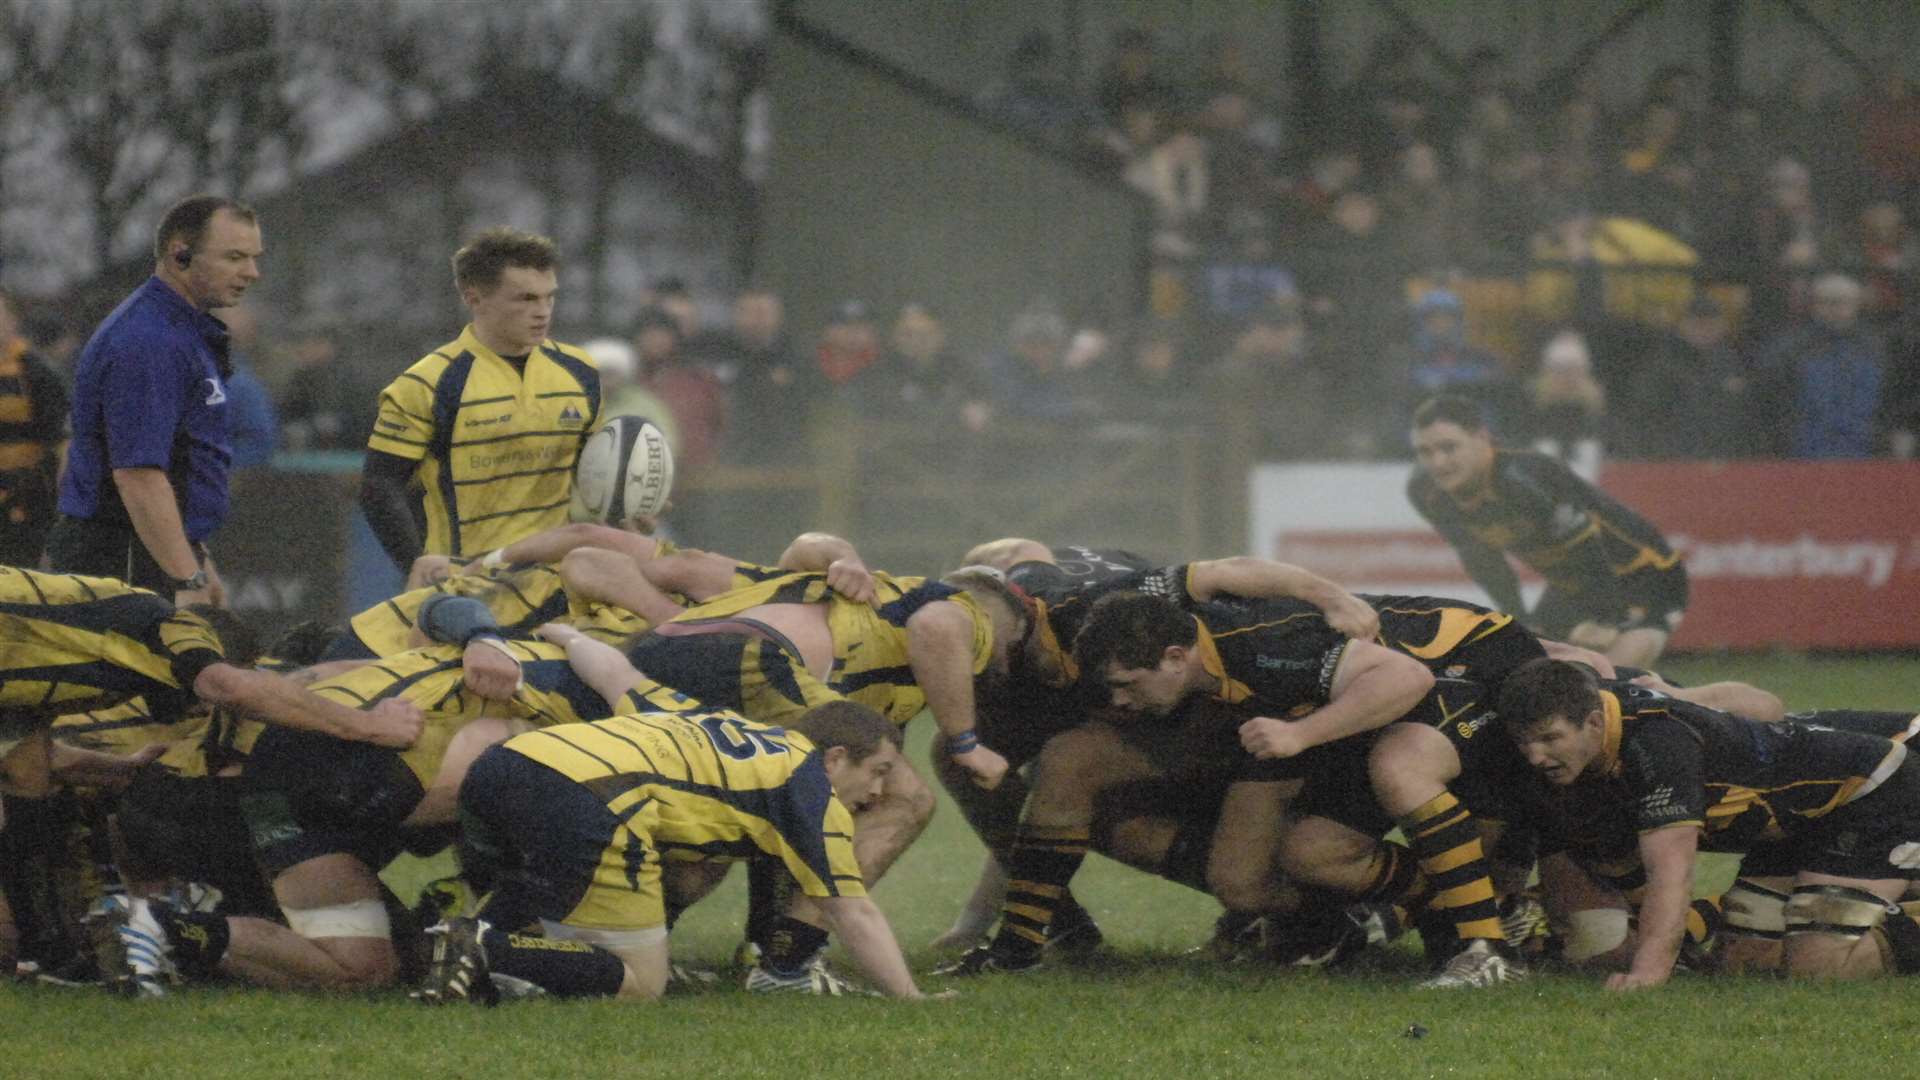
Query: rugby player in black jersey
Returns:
{"type": "Point", "coordinates": [1613, 582]}
{"type": "Point", "coordinates": [1630, 775]}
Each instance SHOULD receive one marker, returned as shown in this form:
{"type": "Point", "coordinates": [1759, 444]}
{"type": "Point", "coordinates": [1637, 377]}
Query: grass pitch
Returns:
{"type": "Point", "coordinates": [1143, 1011]}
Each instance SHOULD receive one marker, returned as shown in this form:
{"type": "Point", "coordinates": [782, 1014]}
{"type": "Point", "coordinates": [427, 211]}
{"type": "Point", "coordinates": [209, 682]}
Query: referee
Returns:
{"type": "Point", "coordinates": [146, 480]}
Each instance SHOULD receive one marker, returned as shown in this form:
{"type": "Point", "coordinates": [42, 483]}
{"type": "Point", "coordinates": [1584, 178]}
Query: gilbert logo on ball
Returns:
{"type": "Point", "coordinates": [625, 473]}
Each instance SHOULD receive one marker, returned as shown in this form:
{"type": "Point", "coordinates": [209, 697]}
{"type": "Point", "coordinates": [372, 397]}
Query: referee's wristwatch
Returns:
{"type": "Point", "coordinates": [196, 582]}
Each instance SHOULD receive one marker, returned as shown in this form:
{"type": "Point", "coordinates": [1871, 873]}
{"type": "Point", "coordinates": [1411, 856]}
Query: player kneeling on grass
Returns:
{"type": "Point", "coordinates": [569, 826]}
{"type": "Point", "coordinates": [1636, 771]}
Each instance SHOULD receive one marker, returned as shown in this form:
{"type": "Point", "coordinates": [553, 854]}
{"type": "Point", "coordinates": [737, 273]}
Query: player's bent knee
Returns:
{"type": "Point", "coordinates": [357, 937]}
{"type": "Point", "coordinates": [361, 919]}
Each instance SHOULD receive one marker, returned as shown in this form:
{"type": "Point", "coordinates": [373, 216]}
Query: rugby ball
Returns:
{"type": "Point", "coordinates": [625, 473]}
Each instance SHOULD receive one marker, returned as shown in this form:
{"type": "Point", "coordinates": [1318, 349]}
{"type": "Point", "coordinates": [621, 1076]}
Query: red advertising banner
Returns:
{"type": "Point", "coordinates": [1798, 554]}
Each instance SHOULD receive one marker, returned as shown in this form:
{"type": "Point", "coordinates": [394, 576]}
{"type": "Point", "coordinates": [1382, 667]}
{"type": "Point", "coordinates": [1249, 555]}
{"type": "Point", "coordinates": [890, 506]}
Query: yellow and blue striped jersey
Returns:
{"type": "Point", "coordinates": [550, 693]}
{"type": "Point", "coordinates": [74, 643]}
{"type": "Point", "coordinates": [870, 661]}
{"type": "Point", "coordinates": [496, 445]}
{"type": "Point", "coordinates": [711, 785]}
{"type": "Point", "coordinates": [522, 597]}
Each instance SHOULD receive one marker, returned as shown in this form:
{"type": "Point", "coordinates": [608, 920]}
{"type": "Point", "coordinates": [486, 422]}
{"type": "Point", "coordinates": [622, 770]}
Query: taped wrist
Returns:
{"type": "Point", "coordinates": [456, 620]}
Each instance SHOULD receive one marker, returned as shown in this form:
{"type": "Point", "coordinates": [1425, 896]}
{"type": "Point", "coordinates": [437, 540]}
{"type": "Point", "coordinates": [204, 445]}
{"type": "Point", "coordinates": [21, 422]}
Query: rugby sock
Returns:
{"type": "Point", "coordinates": [561, 967]}
{"type": "Point", "coordinates": [769, 887]}
{"type": "Point", "coordinates": [1704, 920]}
{"type": "Point", "coordinates": [1397, 878]}
{"type": "Point", "coordinates": [790, 944]}
{"type": "Point", "coordinates": [1900, 935]}
{"type": "Point", "coordinates": [1039, 867]}
{"type": "Point", "coordinates": [197, 939]}
{"type": "Point", "coordinates": [1446, 842]}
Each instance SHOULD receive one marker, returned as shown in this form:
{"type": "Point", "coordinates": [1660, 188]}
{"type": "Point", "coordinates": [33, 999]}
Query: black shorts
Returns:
{"type": "Point", "coordinates": [1650, 599]}
{"type": "Point", "coordinates": [1017, 718]}
{"type": "Point", "coordinates": [534, 839]}
{"type": "Point", "coordinates": [305, 795]}
{"type": "Point", "coordinates": [192, 828]}
{"type": "Point", "coordinates": [1876, 837]}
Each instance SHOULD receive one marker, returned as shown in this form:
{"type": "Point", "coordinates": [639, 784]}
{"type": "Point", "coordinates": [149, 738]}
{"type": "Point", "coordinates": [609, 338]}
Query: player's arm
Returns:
{"type": "Point", "coordinates": [599, 665]}
{"type": "Point", "coordinates": [940, 652]}
{"type": "Point", "coordinates": [694, 574]}
{"type": "Point", "coordinates": [847, 573]}
{"type": "Point", "coordinates": [1243, 575]}
{"type": "Point", "coordinates": [1488, 567]}
{"type": "Point", "coordinates": [1667, 855]}
{"type": "Point", "coordinates": [79, 766]}
{"type": "Point", "coordinates": [1580, 654]}
{"type": "Point", "coordinates": [1738, 698]}
{"type": "Point", "coordinates": [1372, 687]}
{"type": "Point", "coordinates": [155, 514]}
{"type": "Point", "coordinates": [865, 933]}
{"type": "Point", "coordinates": [391, 723]}
{"type": "Point", "coordinates": [388, 503]}
{"type": "Point", "coordinates": [555, 543]}
{"type": "Point", "coordinates": [490, 669]}
{"type": "Point", "coordinates": [610, 577]}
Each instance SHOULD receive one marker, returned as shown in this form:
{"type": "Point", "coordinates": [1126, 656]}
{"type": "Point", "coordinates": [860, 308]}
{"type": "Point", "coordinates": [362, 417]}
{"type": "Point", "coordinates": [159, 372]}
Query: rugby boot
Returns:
{"type": "Point", "coordinates": [815, 978]}
{"type": "Point", "coordinates": [130, 947]}
{"type": "Point", "coordinates": [1479, 964]}
{"type": "Point", "coordinates": [1072, 931]}
{"type": "Point", "coordinates": [983, 960]}
{"type": "Point", "coordinates": [458, 969]}
{"type": "Point", "coordinates": [1237, 935]}
{"type": "Point", "coordinates": [1523, 920]}
{"type": "Point", "coordinates": [681, 978]}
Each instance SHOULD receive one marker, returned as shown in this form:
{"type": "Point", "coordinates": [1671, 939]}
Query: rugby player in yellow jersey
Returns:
{"type": "Point", "coordinates": [485, 430]}
{"type": "Point", "coordinates": [572, 826]}
{"type": "Point", "coordinates": [75, 643]}
{"type": "Point", "coordinates": [326, 815]}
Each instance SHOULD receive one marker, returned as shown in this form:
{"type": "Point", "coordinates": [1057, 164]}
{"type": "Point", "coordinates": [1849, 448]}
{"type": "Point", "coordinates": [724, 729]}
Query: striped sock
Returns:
{"type": "Point", "coordinates": [1039, 868]}
{"type": "Point", "coordinates": [1447, 844]}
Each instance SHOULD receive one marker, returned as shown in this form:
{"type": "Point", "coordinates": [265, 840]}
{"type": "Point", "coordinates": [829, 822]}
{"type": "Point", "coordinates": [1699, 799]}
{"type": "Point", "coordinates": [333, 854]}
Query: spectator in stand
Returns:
{"type": "Point", "coordinates": [1354, 282]}
{"type": "Point", "coordinates": [1500, 175]}
{"type": "Point", "coordinates": [1689, 396]}
{"type": "Point", "coordinates": [849, 347]}
{"type": "Point", "coordinates": [621, 393]}
{"type": "Point", "coordinates": [1154, 387]}
{"type": "Point", "coordinates": [1167, 164]}
{"type": "Point", "coordinates": [33, 443]}
{"type": "Point", "coordinates": [1269, 351]}
{"type": "Point", "coordinates": [1820, 381]}
{"type": "Point", "coordinates": [1788, 245]}
{"type": "Point", "coordinates": [1576, 145]}
{"type": "Point", "coordinates": [1033, 98]}
{"type": "Point", "coordinates": [772, 385]}
{"type": "Point", "coordinates": [324, 406]}
{"type": "Point", "coordinates": [920, 381]}
{"type": "Point", "coordinates": [1657, 171]}
{"type": "Point", "coordinates": [1439, 360]}
{"type": "Point", "coordinates": [1131, 78]}
{"type": "Point", "coordinates": [1032, 379]}
{"type": "Point", "coordinates": [671, 295]}
{"type": "Point", "coordinates": [1889, 124]}
{"type": "Point", "coordinates": [1886, 258]}
{"type": "Point", "coordinates": [691, 393]}
{"type": "Point", "coordinates": [1241, 174]}
{"type": "Point", "coordinates": [252, 425]}
{"type": "Point", "coordinates": [1564, 407]}
{"type": "Point", "coordinates": [55, 339]}
{"type": "Point", "coordinates": [1419, 200]}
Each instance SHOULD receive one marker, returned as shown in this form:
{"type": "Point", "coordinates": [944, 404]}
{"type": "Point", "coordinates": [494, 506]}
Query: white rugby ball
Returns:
{"type": "Point", "coordinates": [625, 472]}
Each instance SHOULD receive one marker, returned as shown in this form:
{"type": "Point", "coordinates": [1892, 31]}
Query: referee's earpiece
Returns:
{"type": "Point", "coordinates": [183, 258]}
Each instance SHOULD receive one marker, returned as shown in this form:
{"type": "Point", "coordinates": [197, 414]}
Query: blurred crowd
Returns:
{"type": "Point", "coordinates": [1694, 276]}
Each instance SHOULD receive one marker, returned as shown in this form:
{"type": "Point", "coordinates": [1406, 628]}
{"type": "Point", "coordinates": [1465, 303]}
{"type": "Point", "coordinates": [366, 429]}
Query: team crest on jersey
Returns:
{"type": "Point", "coordinates": [571, 415]}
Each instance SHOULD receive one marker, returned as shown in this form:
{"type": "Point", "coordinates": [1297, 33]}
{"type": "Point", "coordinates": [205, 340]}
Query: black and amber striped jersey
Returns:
{"type": "Point", "coordinates": [712, 785]}
{"type": "Point", "coordinates": [550, 693]}
{"type": "Point", "coordinates": [521, 597]}
{"type": "Point", "coordinates": [1074, 566]}
{"type": "Point", "coordinates": [1059, 608]}
{"type": "Point", "coordinates": [870, 660]}
{"type": "Point", "coordinates": [1534, 508]}
{"type": "Point", "coordinates": [496, 444]}
{"type": "Point", "coordinates": [1666, 762]}
{"type": "Point", "coordinates": [74, 643]}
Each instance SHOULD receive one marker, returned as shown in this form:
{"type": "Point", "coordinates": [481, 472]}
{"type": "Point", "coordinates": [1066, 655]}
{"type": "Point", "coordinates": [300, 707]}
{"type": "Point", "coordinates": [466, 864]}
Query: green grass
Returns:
{"type": "Point", "coordinates": [1146, 1012]}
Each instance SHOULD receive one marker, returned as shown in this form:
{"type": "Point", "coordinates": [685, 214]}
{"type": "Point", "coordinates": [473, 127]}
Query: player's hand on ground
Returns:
{"type": "Point", "coordinates": [850, 577]}
{"type": "Point", "coordinates": [1631, 980]}
{"type": "Point", "coordinates": [393, 723]}
{"type": "Point", "coordinates": [558, 633]}
{"type": "Point", "coordinates": [1355, 618]}
{"type": "Point", "coordinates": [1266, 737]}
{"type": "Point", "coordinates": [490, 671]}
{"type": "Point", "coordinates": [987, 766]}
